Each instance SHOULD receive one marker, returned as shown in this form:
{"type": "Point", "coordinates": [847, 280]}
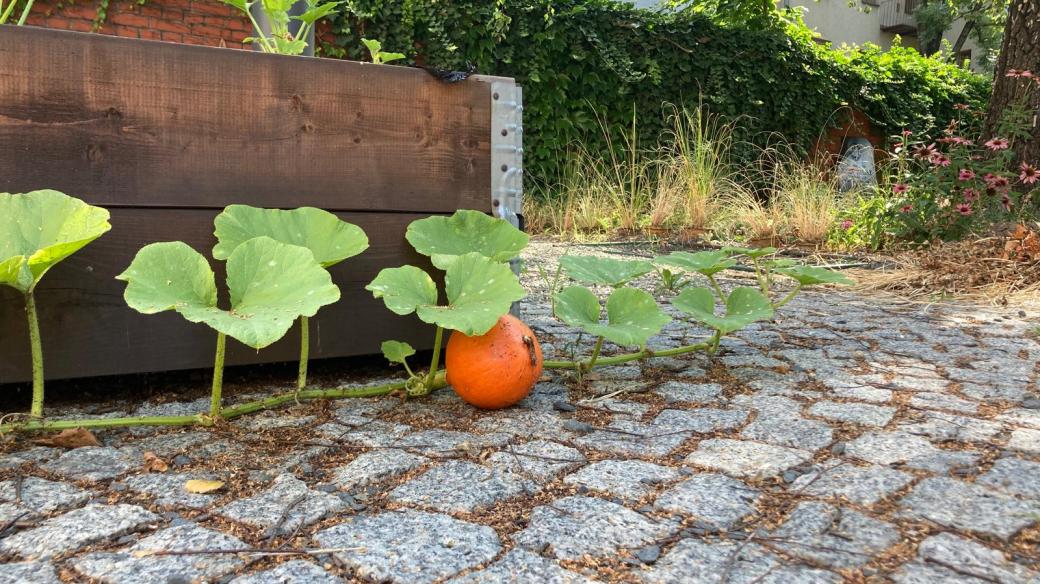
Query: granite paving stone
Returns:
{"type": "Point", "coordinates": [899, 448]}
{"type": "Point", "coordinates": [856, 413]}
{"type": "Point", "coordinates": [746, 459]}
{"type": "Point", "coordinates": [784, 429]}
{"type": "Point", "coordinates": [862, 485]}
{"type": "Point", "coordinates": [409, 547]}
{"type": "Point", "coordinates": [1025, 440]}
{"type": "Point", "coordinates": [135, 565]}
{"type": "Point", "coordinates": [28, 573]}
{"type": "Point", "coordinates": [943, 401]}
{"type": "Point", "coordinates": [946, 426]}
{"type": "Point", "coordinates": [459, 486]}
{"type": "Point", "coordinates": [35, 496]}
{"type": "Point", "coordinates": [693, 560]}
{"type": "Point", "coordinates": [168, 489]}
{"type": "Point", "coordinates": [1013, 475]}
{"type": "Point", "coordinates": [630, 480]}
{"type": "Point", "coordinates": [91, 463]}
{"type": "Point", "coordinates": [950, 558]}
{"type": "Point", "coordinates": [448, 443]}
{"type": "Point", "coordinates": [572, 527]}
{"type": "Point", "coordinates": [292, 572]}
{"type": "Point", "coordinates": [696, 393]}
{"type": "Point", "coordinates": [520, 565]}
{"type": "Point", "coordinates": [712, 498]}
{"type": "Point", "coordinates": [836, 536]}
{"type": "Point", "coordinates": [375, 466]}
{"type": "Point", "coordinates": [285, 505]}
{"type": "Point", "coordinates": [959, 505]}
{"type": "Point", "coordinates": [76, 529]}
{"type": "Point", "coordinates": [539, 460]}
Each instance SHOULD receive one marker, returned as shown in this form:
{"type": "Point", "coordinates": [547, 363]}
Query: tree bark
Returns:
{"type": "Point", "coordinates": [961, 39]}
{"type": "Point", "coordinates": [1021, 51]}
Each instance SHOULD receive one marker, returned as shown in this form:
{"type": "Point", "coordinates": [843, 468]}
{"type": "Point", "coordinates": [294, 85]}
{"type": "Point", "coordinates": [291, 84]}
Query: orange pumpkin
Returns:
{"type": "Point", "coordinates": [497, 369]}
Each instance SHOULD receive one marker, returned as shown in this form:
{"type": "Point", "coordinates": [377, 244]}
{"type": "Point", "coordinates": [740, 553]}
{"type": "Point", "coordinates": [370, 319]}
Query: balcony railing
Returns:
{"type": "Point", "coordinates": [897, 16]}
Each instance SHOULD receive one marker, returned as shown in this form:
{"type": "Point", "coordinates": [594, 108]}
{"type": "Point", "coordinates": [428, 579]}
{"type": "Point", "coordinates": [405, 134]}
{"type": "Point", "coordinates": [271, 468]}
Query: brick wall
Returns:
{"type": "Point", "coordinates": [195, 22]}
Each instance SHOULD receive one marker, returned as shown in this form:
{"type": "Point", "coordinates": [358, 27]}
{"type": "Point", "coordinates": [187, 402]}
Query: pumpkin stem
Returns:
{"type": "Point", "coordinates": [438, 339]}
{"type": "Point", "coordinates": [595, 355]}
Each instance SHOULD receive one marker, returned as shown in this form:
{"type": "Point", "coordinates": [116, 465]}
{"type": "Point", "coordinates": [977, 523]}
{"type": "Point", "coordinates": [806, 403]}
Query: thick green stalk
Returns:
{"type": "Point", "coordinates": [218, 377]}
{"type": "Point", "coordinates": [618, 359]}
{"type": "Point", "coordinates": [718, 289]}
{"type": "Point", "coordinates": [36, 410]}
{"type": "Point", "coordinates": [228, 413]}
{"type": "Point", "coordinates": [790, 296]}
{"type": "Point", "coordinates": [305, 349]}
{"type": "Point", "coordinates": [25, 13]}
{"type": "Point", "coordinates": [595, 355]}
{"type": "Point", "coordinates": [438, 339]}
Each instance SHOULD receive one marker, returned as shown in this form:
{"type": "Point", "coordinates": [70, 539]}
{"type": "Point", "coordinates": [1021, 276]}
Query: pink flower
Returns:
{"type": "Point", "coordinates": [966, 174]}
{"type": "Point", "coordinates": [906, 208]}
{"type": "Point", "coordinates": [939, 159]}
{"type": "Point", "coordinates": [923, 151]}
{"type": "Point", "coordinates": [900, 188]}
{"type": "Point", "coordinates": [963, 209]}
{"type": "Point", "coordinates": [997, 144]}
{"type": "Point", "coordinates": [1005, 202]}
{"type": "Point", "coordinates": [970, 195]}
{"type": "Point", "coordinates": [961, 106]}
{"type": "Point", "coordinates": [1027, 74]}
{"type": "Point", "coordinates": [996, 181]}
{"type": "Point", "coordinates": [846, 224]}
{"type": "Point", "coordinates": [961, 141]}
{"type": "Point", "coordinates": [1013, 73]}
{"type": "Point", "coordinates": [906, 133]}
{"type": "Point", "coordinates": [1029, 174]}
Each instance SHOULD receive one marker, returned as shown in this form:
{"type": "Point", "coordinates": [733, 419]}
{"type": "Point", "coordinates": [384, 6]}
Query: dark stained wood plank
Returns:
{"type": "Point", "coordinates": [126, 122]}
{"type": "Point", "coordinates": [88, 330]}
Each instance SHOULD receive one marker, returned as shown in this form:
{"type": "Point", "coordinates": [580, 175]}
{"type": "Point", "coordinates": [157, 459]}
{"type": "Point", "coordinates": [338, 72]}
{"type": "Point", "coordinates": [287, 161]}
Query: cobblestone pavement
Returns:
{"type": "Point", "coordinates": [851, 440]}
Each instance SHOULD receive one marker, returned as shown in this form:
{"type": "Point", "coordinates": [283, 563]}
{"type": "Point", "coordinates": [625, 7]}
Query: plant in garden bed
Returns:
{"type": "Point", "coordinates": [280, 40]}
{"type": "Point", "coordinates": [271, 285]}
{"type": "Point", "coordinates": [38, 230]}
{"type": "Point", "coordinates": [330, 239]}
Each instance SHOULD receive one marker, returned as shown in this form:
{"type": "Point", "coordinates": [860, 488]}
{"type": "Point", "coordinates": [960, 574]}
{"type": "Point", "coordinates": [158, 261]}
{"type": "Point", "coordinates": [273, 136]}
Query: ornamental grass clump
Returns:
{"type": "Point", "coordinates": [38, 230]}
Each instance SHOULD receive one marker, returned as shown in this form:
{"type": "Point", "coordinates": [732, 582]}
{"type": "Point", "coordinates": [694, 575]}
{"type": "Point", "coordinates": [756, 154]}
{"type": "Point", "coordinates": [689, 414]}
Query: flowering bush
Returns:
{"type": "Point", "coordinates": [947, 187]}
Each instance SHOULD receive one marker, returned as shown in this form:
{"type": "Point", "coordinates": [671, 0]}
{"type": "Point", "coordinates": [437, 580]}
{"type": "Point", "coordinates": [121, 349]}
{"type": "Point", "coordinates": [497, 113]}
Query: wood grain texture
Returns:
{"type": "Point", "coordinates": [88, 330]}
{"type": "Point", "coordinates": [126, 122]}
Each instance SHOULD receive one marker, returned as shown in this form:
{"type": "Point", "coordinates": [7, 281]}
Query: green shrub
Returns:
{"type": "Point", "coordinates": [578, 57]}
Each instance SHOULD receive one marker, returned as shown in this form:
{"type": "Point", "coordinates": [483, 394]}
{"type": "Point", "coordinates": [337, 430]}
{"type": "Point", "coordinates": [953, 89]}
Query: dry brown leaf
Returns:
{"type": "Point", "coordinates": [71, 438]}
{"type": "Point", "coordinates": [152, 463]}
{"type": "Point", "coordinates": [201, 487]}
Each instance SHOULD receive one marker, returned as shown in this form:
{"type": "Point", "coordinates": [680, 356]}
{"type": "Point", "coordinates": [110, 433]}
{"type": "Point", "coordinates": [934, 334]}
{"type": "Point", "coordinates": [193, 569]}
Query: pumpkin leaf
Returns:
{"type": "Point", "coordinates": [271, 285]}
{"type": "Point", "coordinates": [40, 229]}
{"type": "Point", "coordinates": [707, 263]}
{"type": "Point", "coordinates": [479, 291]}
{"type": "Point", "coordinates": [743, 307]}
{"type": "Point", "coordinates": [446, 238]}
{"type": "Point", "coordinates": [632, 314]}
{"type": "Point", "coordinates": [812, 275]}
{"type": "Point", "coordinates": [396, 351]}
{"type": "Point", "coordinates": [605, 271]}
{"type": "Point", "coordinates": [751, 252]}
{"type": "Point", "coordinates": [329, 238]}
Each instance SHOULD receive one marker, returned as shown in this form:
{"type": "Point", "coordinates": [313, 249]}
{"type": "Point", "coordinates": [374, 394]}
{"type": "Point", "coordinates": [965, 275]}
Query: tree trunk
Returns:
{"type": "Point", "coordinates": [961, 39]}
{"type": "Point", "coordinates": [1021, 51]}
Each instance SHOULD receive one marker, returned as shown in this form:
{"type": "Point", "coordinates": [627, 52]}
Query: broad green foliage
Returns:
{"type": "Point", "coordinates": [397, 351]}
{"type": "Point", "coordinates": [743, 307]}
{"type": "Point", "coordinates": [812, 275]}
{"type": "Point", "coordinates": [40, 229]}
{"type": "Point", "coordinates": [753, 253]}
{"type": "Point", "coordinates": [330, 239]}
{"type": "Point", "coordinates": [632, 315]}
{"type": "Point", "coordinates": [279, 39]}
{"type": "Point", "coordinates": [271, 285]}
{"type": "Point", "coordinates": [479, 291]}
{"type": "Point", "coordinates": [570, 54]}
{"type": "Point", "coordinates": [375, 50]}
{"type": "Point", "coordinates": [707, 263]}
{"type": "Point", "coordinates": [605, 271]}
{"type": "Point", "coordinates": [445, 238]}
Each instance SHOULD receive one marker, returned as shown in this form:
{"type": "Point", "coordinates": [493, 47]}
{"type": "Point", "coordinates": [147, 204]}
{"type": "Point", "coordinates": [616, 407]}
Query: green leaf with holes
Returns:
{"type": "Point", "coordinates": [605, 271]}
{"type": "Point", "coordinates": [743, 307]}
{"type": "Point", "coordinates": [812, 275]}
{"type": "Point", "coordinates": [632, 314]}
{"type": "Point", "coordinates": [271, 284]}
{"type": "Point", "coordinates": [446, 238]}
{"type": "Point", "coordinates": [707, 263]}
{"type": "Point", "coordinates": [396, 351]}
{"type": "Point", "coordinates": [479, 291]}
{"type": "Point", "coordinates": [40, 229]}
{"type": "Point", "coordinates": [329, 238]}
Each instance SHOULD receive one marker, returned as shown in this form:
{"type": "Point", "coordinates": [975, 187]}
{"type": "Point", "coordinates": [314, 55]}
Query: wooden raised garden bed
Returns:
{"type": "Point", "coordinates": [166, 135]}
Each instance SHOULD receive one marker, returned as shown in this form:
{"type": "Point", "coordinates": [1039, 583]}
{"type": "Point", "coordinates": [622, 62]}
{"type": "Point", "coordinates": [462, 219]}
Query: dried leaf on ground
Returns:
{"type": "Point", "coordinates": [71, 438]}
{"type": "Point", "coordinates": [201, 487]}
{"type": "Point", "coordinates": [153, 463]}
